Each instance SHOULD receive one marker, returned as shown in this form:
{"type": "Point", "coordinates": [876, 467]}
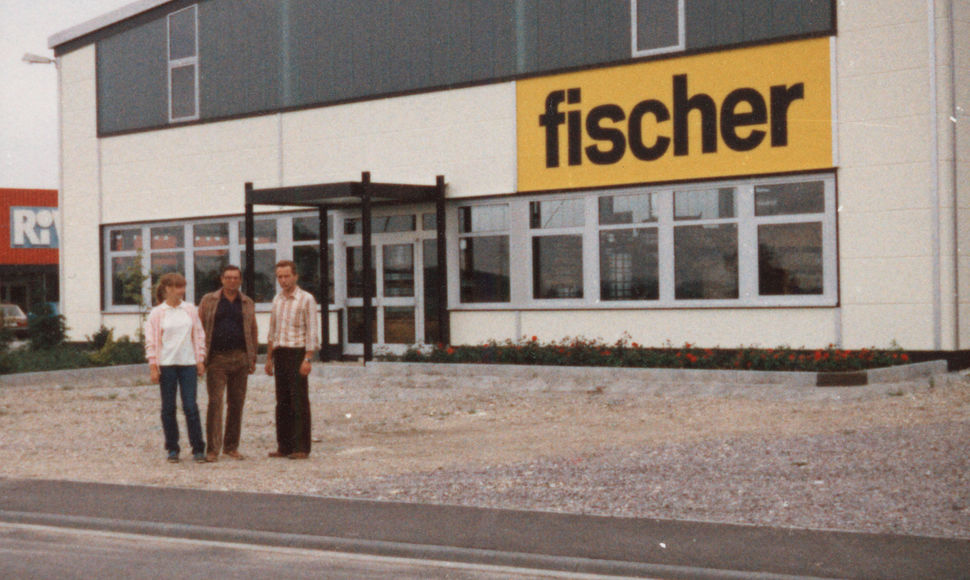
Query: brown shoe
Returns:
{"type": "Point", "coordinates": [277, 454]}
{"type": "Point", "coordinates": [211, 457]}
{"type": "Point", "coordinates": [298, 455]}
{"type": "Point", "coordinates": [235, 455]}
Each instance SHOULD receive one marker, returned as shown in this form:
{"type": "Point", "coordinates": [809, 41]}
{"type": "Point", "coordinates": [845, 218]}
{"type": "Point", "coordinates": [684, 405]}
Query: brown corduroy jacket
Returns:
{"type": "Point", "coordinates": [207, 313]}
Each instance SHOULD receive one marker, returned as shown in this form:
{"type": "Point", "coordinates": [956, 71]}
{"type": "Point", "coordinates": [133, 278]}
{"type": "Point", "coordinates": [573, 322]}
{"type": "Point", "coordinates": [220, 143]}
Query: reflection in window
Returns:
{"type": "Point", "coordinates": [789, 198]}
{"type": "Point", "coordinates": [307, 260]}
{"type": "Point", "coordinates": [215, 234]}
{"type": "Point", "coordinates": [790, 259]}
{"type": "Point", "coordinates": [483, 218]}
{"type": "Point", "coordinates": [307, 229]}
{"type": "Point", "coordinates": [398, 270]}
{"type": "Point", "coordinates": [122, 269]}
{"type": "Point", "coordinates": [381, 225]}
{"type": "Point", "coordinates": [167, 238]}
{"type": "Point", "coordinates": [557, 263]}
{"type": "Point", "coordinates": [399, 325]}
{"type": "Point", "coordinates": [355, 272]}
{"type": "Point", "coordinates": [557, 214]}
{"type": "Point", "coordinates": [432, 296]}
{"type": "Point", "coordinates": [484, 268]}
{"type": "Point", "coordinates": [264, 232]}
{"type": "Point", "coordinates": [208, 267]}
{"type": "Point", "coordinates": [355, 325]}
{"type": "Point", "coordinates": [705, 204]}
{"type": "Point", "coordinates": [628, 209]}
{"type": "Point", "coordinates": [629, 264]}
{"type": "Point", "coordinates": [264, 281]}
{"type": "Point", "coordinates": [165, 262]}
{"type": "Point", "coordinates": [706, 261]}
{"type": "Point", "coordinates": [126, 240]}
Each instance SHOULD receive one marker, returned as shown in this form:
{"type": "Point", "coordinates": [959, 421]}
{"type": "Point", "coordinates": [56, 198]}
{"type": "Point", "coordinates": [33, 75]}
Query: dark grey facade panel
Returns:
{"type": "Point", "coordinates": [711, 23]}
{"type": "Point", "coordinates": [259, 56]}
{"type": "Point", "coordinates": [239, 57]}
{"type": "Point", "coordinates": [133, 78]}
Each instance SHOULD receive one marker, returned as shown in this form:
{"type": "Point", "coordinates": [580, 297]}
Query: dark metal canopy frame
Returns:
{"type": "Point", "coordinates": [350, 194]}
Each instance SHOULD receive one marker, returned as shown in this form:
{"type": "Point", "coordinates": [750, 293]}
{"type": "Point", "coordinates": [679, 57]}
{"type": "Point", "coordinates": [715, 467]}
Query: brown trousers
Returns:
{"type": "Point", "coordinates": [226, 376]}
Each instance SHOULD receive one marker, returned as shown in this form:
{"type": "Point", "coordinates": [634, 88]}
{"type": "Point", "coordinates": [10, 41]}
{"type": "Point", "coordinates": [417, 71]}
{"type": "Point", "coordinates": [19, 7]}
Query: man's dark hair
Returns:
{"type": "Point", "coordinates": [228, 267]}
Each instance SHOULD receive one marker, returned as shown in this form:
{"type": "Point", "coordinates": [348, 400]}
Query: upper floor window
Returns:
{"type": "Point", "coordinates": [657, 26]}
{"type": "Point", "coordinates": [183, 65]}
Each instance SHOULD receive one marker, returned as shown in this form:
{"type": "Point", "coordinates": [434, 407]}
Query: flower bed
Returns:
{"type": "Point", "coordinates": [624, 353]}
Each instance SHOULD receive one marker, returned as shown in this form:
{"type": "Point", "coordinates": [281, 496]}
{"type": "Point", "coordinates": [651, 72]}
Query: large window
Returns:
{"type": "Point", "coordinates": [199, 249]}
{"type": "Point", "coordinates": [706, 251]}
{"type": "Point", "coordinates": [183, 65]}
{"type": "Point", "coordinates": [790, 238]}
{"type": "Point", "coordinates": [742, 243]}
{"type": "Point", "coordinates": [557, 248]}
{"type": "Point", "coordinates": [483, 249]}
{"type": "Point", "coordinates": [629, 251]}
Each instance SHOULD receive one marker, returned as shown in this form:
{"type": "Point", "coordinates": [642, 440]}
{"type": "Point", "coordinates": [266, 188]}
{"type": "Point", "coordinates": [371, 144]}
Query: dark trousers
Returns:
{"type": "Point", "coordinates": [226, 379]}
{"type": "Point", "coordinates": [292, 402]}
{"type": "Point", "coordinates": [175, 380]}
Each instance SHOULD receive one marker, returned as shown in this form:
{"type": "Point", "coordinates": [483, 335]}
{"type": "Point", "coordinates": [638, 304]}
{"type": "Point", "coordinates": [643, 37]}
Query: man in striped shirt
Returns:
{"type": "Point", "coordinates": [293, 339]}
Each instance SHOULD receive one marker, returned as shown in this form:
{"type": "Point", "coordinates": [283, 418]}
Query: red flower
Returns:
{"type": "Point", "coordinates": [635, 345]}
{"type": "Point", "coordinates": [904, 357]}
{"type": "Point", "coordinates": [691, 358]}
{"type": "Point", "coordinates": [535, 339]}
{"type": "Point", "coordinates": [450, 350]}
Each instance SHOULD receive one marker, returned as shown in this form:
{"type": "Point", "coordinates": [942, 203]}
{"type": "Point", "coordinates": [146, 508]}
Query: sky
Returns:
{"type": "Point", "coordinates": [28, 92]}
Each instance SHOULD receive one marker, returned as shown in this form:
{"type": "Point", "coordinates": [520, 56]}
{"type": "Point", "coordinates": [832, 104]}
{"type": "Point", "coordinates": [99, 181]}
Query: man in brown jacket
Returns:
{"type": "Point", "coordinates": [229, 319]}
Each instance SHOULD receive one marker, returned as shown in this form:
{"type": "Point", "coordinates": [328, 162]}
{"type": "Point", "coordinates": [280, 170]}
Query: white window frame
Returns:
{"type": "Point", "coordinates": [192, 61]}
{"type": "Point", "coordinates": [681, 32]}
{"type": "Point", "coordinates": [236, 250]}
{"type": "Point", "coordinates": [521, 235]}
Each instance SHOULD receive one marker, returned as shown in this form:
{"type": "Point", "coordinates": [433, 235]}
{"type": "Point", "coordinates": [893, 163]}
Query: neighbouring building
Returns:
{"type": "Point", "coordinates": [756, 172]}
{"type": "Point", "coordinates": [29, 245]}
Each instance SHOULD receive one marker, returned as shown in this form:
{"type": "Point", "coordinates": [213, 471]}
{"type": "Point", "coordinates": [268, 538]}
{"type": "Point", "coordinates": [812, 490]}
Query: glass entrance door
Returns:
{"type": "Point", "coordinates": [399, 319]}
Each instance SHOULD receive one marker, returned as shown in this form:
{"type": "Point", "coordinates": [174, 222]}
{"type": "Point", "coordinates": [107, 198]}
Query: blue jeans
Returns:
{"type": "Point", "coordinates": [174, 377]}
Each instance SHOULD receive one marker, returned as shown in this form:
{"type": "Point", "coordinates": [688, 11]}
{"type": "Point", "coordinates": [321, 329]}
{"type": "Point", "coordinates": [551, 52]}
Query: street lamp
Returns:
{"type": "Point", "coordinates": [31, 58]}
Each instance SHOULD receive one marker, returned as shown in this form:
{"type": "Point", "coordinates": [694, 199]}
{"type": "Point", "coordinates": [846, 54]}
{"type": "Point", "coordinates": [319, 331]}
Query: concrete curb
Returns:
{"type": "Point", "coordinates": [566, 377]}
{"type": "Point", "coordinates": [608, 375]}
{"type": "Point", "coordinates": [535, 539]}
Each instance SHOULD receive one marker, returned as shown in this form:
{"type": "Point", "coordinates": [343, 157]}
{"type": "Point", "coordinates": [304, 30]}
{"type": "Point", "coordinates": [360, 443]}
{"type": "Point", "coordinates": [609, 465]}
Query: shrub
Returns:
{"type": "Point", "coordinates": [100, 338]}
{"type": "Point", "coordinates": [120, 352]}
{"type": "Point", "coordinates": [623, 353]}
{"type": "Point", "coordinates": [47, 329]}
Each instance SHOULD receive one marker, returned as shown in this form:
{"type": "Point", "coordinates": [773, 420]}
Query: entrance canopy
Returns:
{"type": "Point", "coordinates": [351, 194]}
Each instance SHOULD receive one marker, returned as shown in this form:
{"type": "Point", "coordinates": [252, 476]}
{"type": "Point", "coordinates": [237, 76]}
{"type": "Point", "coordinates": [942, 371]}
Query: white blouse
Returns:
{"type": "Point", "coordinates": [177, 348]}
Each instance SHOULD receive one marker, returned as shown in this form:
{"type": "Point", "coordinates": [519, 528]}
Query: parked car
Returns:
{"type": "Point", "coordinates": [14, 319]}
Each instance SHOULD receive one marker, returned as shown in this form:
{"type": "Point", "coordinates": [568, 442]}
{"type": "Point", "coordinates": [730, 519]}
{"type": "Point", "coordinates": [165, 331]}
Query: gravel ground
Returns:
{"type": "Point", "coordinates": [875, 459]}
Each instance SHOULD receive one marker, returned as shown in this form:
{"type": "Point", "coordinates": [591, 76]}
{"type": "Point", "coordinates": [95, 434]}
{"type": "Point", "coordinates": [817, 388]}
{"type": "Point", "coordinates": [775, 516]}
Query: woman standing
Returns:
{"type": "Point", "coordinates": [175, 349]}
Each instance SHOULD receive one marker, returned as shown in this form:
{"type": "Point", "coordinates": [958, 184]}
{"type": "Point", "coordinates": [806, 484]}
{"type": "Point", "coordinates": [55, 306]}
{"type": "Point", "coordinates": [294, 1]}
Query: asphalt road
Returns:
{"type": "Point", "coordinates": [43, 552]}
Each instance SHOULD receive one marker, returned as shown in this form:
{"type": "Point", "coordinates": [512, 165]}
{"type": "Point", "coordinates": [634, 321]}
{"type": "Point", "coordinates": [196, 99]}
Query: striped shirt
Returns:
{"type": "Point", "coordinates": [293, 322]}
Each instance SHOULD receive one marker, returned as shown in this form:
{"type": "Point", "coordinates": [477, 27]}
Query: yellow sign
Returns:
{"type": "Point", "coordinates": [750, 111]}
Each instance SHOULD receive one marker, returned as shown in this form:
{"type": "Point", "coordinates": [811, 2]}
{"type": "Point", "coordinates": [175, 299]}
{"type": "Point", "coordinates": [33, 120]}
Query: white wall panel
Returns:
{"type": "Point", "coordinates": [194, 171]}
{"type": "Point", "coordinates": [899, 234]}
{"type": "Point", "coordinates": [80, 281]}
{"type": "Point", "coordinates": [893, 280]}
{"type": "Point", "coordinates": [467, 135]}
{"type": "Point", "coordinates": [910, 325]}
{"type": "Point", "coordinates": [479, 327]}
{"type": "Point", "coordinates": [707, 328]}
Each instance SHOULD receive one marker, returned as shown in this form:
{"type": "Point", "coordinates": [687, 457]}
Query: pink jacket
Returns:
{"type": "Point", "coordinates": [153, 332]}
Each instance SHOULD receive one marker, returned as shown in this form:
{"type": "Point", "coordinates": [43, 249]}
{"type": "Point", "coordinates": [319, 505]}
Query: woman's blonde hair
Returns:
{"type": "Point", "coordinates": [170, 280]}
